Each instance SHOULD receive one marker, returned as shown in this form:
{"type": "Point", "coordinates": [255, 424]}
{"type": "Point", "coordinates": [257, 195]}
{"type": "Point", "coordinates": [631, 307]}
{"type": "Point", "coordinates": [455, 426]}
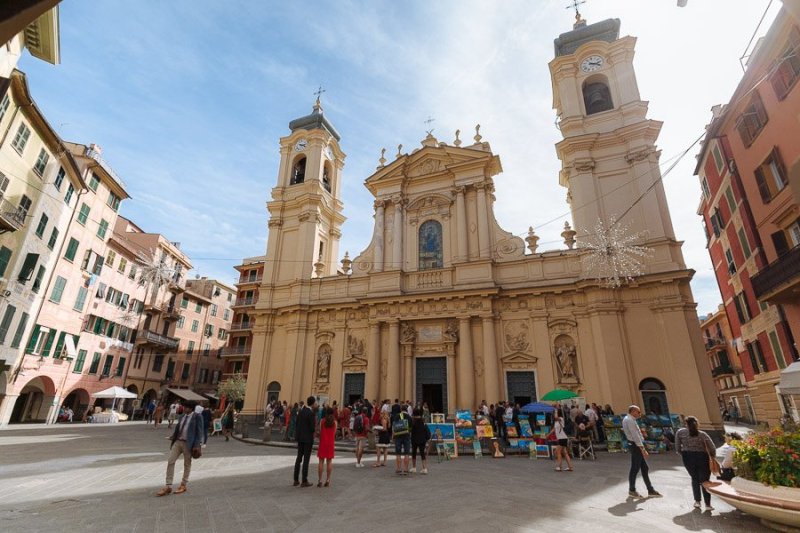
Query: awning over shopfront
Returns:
{"type": "Point", "coordinates": [790, 379]}
{"type": "Point", "coordinates": [188, 395]}
{"type": "Point", "coordinates": [211, 395]}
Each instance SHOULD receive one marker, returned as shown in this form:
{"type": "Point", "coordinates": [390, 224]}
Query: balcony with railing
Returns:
{"type": "Point", "coordinates": [248, 301]}
{"type": "Point", "coordinates": [244, 280]}
{"type": "Point", "coordinates": [240, 327]}
{"type": "Point", "coordinates": [236, 351]}
{"type": "Point", "coordinates": [779, 282]}
{"type": "Point", "coordinates": [712, 343]}
{"type": "Point", "coordinates": [722, 370]}
{"type": "Point", "coordinates": [156, 339]}
{"type": "Point", "coordinates": [12, 218]}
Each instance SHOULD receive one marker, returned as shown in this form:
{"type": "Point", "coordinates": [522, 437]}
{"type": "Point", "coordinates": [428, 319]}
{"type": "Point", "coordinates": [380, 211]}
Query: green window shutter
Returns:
{"type": "Point", "coordinates": [120, 366]}
{"type": "Point", "coordinates": [26, 272]}
{"type": "Point", "coordinates": [42, 225]}
{"type": "Point", "coordinates": [37, 283]}
{"type": "Point", "coordinates": [6, 323]}
{"type": "Point", "coordinates": [53, 239]}
{"type": "Point", "coordinates": [101, 230]}
{"type": "Point", "coordinates": [95, 363]}
{"type": "Point", "coordinates": [48, 343]}
{"type": "Point", "coordinates": [59, 344]}
{"type": "Point", "coordinates": [58, 289]}
{"type": "Point", "coordinates": [72, 249]}
{"type": "Point", "coordinates": [107, 365]}
{"type": "Point", "coordinates": [5, 258]}
{"type": "Point", "coordinates": [78, 368]}
{"type": "Point", "coordinates": [33, 339]}
{"type": "Point", "coordinates": [80, 300]}
{"type": "Point", "coordinates": [83, 215]}
{"type": "Point", "coordinates": [23, 321]}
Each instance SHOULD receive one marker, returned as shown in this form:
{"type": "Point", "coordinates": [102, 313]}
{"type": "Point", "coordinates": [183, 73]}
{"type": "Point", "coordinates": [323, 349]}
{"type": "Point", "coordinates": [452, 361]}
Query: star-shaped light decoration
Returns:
{"type": "Point", "coordinates": [154, 271]}
{"type": "Point", "coordinates": [612, 256]}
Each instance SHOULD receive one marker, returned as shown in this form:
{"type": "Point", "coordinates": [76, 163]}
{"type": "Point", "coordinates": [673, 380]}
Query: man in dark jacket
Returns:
{"type": "Point", "coordinates": [187, 436]}
{"type": "Point", "coordinates": [304, 434]}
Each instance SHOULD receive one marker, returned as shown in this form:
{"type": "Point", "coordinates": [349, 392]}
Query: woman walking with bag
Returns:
{"type": "Point", "coordinates": [562, 448]}
{"type": "Point", "coordinates": [697, 450]}
{"type": "Point", "coordinates": [325, 452]}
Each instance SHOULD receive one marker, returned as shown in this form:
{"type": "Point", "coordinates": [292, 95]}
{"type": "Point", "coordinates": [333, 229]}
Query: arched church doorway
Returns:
{"type": "Point", "coordinates": [654, 397]}
{"type": "Point", "coordinates": [31, 405]}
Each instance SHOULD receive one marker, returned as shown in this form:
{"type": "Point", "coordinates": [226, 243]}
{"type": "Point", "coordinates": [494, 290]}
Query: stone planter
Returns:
{"type": "Point", "coordinates": [267, 434]}
{"type": "Point", "coordinates": [777, 507]}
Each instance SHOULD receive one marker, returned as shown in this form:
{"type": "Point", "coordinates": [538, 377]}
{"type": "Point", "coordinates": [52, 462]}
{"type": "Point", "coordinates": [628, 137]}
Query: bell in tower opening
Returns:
{"type": "Point", "coordinates": [596, 97]}
{"type": "Point", "coordinates": [299, 171]}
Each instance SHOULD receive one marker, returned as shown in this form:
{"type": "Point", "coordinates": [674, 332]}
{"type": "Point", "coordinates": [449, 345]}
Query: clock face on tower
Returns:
{"type": "Point", "coordinates": [300, 145]}
{"type": "Point", "coordinates": [592, 63]}
{"type": "Point", "coordinates": [329, 153]}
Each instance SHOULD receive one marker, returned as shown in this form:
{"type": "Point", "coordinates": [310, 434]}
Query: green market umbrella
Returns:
{"type": "Point", "coordinates": [556, 395]}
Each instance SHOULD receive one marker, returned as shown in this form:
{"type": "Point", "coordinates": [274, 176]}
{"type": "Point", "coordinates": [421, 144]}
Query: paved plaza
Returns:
{"type": "Point", "coordinates": [103, 478]}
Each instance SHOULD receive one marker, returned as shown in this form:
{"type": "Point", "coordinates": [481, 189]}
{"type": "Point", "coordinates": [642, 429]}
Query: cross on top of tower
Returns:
{"type": "Point", "coordinates": [318, 93]}
{"type": "Point", "coordinates": [428, 123]}
{"type": "Point", "coordinates": [574, 5]}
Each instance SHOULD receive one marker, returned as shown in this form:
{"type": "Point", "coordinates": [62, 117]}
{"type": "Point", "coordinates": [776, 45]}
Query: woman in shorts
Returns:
{"type": "Point", "coordinates": [384, 439]}
{"type": "Point", "coordinates": [562, 448]}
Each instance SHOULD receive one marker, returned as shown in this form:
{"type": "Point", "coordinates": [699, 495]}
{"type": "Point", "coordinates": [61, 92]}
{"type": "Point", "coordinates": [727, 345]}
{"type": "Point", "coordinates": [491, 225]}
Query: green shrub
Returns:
{"type": "Point", "coordinates": [772, 458]}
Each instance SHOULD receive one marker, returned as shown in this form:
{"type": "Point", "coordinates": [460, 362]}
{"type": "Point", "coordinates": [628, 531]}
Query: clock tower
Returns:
{"type": "Point", "coordinates": [609, 161]}
{"type": "Point", "coordinates": [306, 210]}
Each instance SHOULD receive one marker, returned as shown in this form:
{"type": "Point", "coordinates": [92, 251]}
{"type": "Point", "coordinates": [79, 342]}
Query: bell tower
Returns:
{"type": "Point", "coordinates": [306, 210]}
{"type": "Point", "coordinates": [609, 161]}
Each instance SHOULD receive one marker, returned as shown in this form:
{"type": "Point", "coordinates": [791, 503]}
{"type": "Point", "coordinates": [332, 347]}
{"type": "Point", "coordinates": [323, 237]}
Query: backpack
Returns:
{"type": "Point", "coordinates": [400, 427]}
{"type": "Point", "coordinates": [358, 424]}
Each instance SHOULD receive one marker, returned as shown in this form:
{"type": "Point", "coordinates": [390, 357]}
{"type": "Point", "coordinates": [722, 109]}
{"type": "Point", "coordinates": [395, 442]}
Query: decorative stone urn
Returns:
{"type": "Point", "coordinates": [777, 507]}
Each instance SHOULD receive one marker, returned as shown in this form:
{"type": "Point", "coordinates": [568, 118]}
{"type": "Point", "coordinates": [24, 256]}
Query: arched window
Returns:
{"type": "Point", "coordinates": [298, 171]}
{"type": "Point", "coordinates": [430, 245]}
{"type": "Point", "coordinates": [597, 97]}
{"type": "Point", "coordinates": [326, 177]}
{"type": "Point", "coordinates": [654, 397]}
{"type": "Point", "coordinates": [273, 391]}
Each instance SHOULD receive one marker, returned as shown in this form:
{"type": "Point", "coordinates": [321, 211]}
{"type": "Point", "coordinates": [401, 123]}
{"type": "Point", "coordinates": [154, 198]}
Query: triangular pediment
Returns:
{"type": "Point", "coordinates": [431, 160]}
{"type": "Point", "coordinates": [519, 357]}
{"type": "Point", "coordinates": [354, 361]}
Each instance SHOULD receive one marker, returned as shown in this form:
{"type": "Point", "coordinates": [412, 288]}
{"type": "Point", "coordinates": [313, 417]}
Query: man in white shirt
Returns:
{"type": "Point", "coordinates": [592, 416]}
{"type": "Point", "coordinates": [638, 454]}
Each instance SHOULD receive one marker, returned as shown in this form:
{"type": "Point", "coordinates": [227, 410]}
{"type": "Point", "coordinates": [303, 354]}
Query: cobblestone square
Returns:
{"type": "Point", "coordinates": [103, 479]}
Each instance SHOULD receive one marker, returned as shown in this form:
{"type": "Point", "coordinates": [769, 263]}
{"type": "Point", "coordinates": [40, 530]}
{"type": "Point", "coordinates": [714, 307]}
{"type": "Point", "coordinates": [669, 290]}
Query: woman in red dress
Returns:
{"type": "Point", "coordinates": [327, 436]}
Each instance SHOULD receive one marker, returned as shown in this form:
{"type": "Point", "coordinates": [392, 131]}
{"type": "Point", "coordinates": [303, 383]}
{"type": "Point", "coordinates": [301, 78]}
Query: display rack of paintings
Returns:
{"type": "Point", "coordinates": [465, 430]}
{"type": "Point", "coordinates": [657, 431]}
{"type": "Point", "coordinates": [443, 437]}
{"type": "Point", "coordinates": [437, 418]}
{"type": "Point", "coordinates": [615, 438]}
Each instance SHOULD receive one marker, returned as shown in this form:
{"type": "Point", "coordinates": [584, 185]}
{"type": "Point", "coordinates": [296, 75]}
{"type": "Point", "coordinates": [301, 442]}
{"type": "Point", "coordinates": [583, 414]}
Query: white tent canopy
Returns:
{"type": "Point", "coordinates": [790, 379]}
{"type": "Point", "coordinates": [114, 392]}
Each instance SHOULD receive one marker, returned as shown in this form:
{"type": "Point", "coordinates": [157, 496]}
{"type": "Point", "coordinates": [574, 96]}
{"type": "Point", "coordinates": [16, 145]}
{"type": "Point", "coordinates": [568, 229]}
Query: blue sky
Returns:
{"type": "Point", "coordinates": [188, 101]}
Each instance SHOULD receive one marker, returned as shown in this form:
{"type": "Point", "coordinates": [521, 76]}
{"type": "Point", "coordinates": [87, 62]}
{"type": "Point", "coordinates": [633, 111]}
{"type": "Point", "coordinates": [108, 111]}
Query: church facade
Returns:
{"type": "Point", "coordinates": [445, 306]}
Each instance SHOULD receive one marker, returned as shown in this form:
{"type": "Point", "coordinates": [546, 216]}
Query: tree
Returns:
{"type": "Point", "coordinates": [233, 387]}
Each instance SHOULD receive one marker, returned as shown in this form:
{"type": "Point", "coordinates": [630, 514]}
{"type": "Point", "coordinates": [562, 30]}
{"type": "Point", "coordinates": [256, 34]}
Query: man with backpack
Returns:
{"type": "Point", "coordinates": [360, 428]}
{"type": "Point", "coordinates": [401, 433]}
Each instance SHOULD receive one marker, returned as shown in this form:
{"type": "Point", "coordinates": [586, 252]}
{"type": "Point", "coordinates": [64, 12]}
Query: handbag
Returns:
{"type": "Point", "coordinates": [713, 465]}
{"type": "Point", "coordinates": [197, 453]}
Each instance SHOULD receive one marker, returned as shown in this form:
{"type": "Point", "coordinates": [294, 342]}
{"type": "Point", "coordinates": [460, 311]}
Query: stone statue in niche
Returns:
{"type": "Point", "coordinates": [407, 333]}
{"type": "Point", "coordinates": [566, 358]}
{"type": "Point", "coordinates": [451, 331]}
{"type": "Point", "coordinates": [323, 362]}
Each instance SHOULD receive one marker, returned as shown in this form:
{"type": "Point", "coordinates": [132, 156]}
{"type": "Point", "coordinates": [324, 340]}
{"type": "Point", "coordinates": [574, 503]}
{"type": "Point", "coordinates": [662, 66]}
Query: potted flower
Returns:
{"type": "Point", "coordinates": [768, 478]}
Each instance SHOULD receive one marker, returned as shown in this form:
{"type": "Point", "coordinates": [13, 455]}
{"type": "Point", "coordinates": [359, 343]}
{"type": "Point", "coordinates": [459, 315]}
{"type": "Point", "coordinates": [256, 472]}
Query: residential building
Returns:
{"type": "Point", "coordinates": [237, 353]}
{"type": "Point", "coordinates": [723, 360]}
{"type": "Point", "coordinates": [40, 183]}
{"type": "Point", "coordinates": [215, 299]}
{"type": "Point", "coordinates": [443, 305]}
{"type": "Point", "coordinates": [751, 216]}
{"type": "Point", "coordinates": [35, 28]}
{"type": "Point", "coordinates": [155, 364]}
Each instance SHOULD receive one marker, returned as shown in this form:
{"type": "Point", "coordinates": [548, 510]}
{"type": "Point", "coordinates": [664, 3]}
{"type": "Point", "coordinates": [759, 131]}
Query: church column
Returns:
{"type": "Point", "coordinates": [466, 371]}
{"type": "Point", "coordinates": [461, 222]}
{"type": "Point", "coordinates": [492, 376]}
{"type": "Point", "coordinates": [484, 247]}
{"type": "Point", "coordinates": [393, 362]}
{"type": "Point", "coordinates": [397, 234]}
{"type": "Point", "coordinates": [373, 377]}
{"type": "Point", "coordinates": [408, 366]}
{"type": "Point", "coordinates": [379, 218]}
